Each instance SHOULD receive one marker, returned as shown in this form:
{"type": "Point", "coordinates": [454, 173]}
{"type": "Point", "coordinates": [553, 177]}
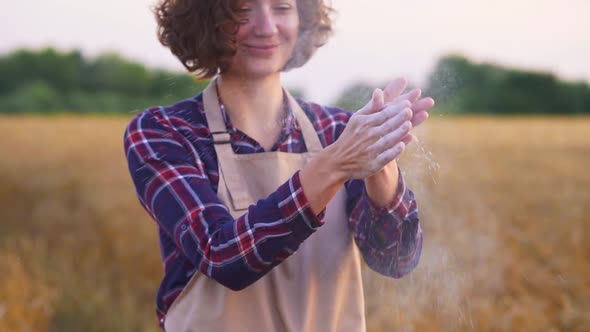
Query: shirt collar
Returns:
{"type": "Point", "coordinates": [289, 124]}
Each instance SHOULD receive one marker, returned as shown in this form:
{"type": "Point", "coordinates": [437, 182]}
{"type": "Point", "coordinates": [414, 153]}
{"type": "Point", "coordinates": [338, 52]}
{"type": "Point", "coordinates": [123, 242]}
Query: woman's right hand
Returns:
{"type": "Point", "coordinates": [373, 137]}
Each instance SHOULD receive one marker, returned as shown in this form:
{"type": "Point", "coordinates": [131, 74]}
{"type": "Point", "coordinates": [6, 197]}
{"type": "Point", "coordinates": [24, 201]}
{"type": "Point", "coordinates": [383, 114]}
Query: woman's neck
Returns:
{"type": "Point", "coordinates": [249, 101]}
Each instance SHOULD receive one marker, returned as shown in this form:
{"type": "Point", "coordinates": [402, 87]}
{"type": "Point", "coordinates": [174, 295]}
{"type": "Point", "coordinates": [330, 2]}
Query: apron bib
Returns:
{"type": "Point", "coordinates": [318, 288]}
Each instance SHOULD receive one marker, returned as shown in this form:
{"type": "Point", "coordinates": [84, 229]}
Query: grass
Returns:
{"type": "Point", "coordinates": [503, 204]}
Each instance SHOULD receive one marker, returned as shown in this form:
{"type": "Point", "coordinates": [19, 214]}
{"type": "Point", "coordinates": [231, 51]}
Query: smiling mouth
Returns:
{"type": "Point", "coordinates": [262, 47]}
{"type": "Point", "coordinates": [261, 50]}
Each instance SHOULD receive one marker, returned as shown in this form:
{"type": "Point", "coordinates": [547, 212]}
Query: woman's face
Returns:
{"type": "Point", "coordinates": [266, 39]}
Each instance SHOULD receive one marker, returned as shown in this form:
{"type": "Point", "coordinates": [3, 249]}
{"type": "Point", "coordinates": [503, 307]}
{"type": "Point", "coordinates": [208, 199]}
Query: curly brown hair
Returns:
{"type": "Point", "coordinates": [201, 33]}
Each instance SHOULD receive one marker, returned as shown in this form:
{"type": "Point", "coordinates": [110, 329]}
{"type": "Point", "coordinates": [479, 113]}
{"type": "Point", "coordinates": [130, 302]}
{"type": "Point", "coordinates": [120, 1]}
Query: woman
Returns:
{"type": "Point", "coordinates": [262, 201]}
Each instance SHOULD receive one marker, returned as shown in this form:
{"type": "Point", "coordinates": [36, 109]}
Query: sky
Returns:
{"type": "Point", "coordinates": [374, 41]}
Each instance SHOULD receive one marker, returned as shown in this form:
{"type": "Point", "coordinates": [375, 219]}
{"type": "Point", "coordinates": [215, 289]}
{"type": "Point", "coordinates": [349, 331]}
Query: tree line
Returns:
{"type": "Point", "coordinates": [459, 85]}
{"type": "Point", "coordinates": [462, 86]}
{"type": "Point", "coordinates": [48, 80]}
{"type": "Point", "coordinates": [52, 81]}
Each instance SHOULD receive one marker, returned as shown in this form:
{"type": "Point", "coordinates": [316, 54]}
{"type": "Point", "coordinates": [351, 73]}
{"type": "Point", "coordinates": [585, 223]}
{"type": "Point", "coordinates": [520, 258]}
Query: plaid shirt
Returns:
{"type": "Point", "coordinates": [174, 167]}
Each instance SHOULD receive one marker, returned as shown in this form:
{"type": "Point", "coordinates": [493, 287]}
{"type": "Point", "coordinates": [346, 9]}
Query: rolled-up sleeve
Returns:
{"type": "Point", "coordinates": [172, 186]}
{"type": "Point", "coordinates": [389, 237]}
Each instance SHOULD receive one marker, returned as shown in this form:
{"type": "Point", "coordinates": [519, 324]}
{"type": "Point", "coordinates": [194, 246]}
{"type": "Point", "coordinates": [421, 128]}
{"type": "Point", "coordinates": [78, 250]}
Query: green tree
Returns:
{"type": "Point", "coordinates": [460, 86]}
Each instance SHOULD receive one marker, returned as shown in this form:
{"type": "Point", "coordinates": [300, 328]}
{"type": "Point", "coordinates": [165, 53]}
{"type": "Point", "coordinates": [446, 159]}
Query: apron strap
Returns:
{"type": "Point", "coordinates": [225, 155]}
{"type": "Point", "coordinates": [310, 136]}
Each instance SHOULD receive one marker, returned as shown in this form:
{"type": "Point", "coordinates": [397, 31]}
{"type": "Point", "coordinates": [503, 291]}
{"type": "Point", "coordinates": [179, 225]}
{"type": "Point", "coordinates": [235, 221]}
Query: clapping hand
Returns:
{"type": "Point", "coordinates": [392, 94]}
{"type": "Point", "coordinates": [377, 134]}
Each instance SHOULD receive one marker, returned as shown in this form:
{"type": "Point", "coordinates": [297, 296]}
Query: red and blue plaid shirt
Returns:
{"type": "Point", "coordinates": [174, 167]}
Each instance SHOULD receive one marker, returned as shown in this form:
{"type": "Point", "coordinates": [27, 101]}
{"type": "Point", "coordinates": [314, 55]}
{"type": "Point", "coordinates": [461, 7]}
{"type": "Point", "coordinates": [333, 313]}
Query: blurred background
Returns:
{"type": "Point", "coordinates": [500, 171]}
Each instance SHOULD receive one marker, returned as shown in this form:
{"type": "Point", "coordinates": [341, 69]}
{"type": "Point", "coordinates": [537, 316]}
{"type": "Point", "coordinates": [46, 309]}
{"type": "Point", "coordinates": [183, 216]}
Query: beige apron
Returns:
{"type": "Point", "coordinates": [318, 288]}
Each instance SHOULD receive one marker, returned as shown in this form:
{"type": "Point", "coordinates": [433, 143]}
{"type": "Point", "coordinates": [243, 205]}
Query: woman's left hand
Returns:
{"type": "Point", "coordinates": [382, 185]}
{"type": "Point", "coordinates": [420, 107]}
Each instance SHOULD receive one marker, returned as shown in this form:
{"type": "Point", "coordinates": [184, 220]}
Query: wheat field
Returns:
{"type": "Point", "coordinates": [504, 205]}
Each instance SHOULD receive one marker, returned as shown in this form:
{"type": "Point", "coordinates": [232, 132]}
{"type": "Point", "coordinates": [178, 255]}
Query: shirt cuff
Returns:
{"type": "Point", "coordinates": [295, 207]}
{"type": "Point", "coordinates": [393, 207]}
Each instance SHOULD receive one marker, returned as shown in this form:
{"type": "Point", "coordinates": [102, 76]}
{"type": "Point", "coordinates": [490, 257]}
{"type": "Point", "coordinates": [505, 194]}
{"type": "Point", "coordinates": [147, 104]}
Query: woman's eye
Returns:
{"type": "Point", "coordinates": [243, 9]}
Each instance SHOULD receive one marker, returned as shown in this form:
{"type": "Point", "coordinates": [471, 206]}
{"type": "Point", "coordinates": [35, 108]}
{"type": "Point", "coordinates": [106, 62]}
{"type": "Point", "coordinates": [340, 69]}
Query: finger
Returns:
{"type": "Point", "coordinates": [388, 155]}
{"type": "Point", "coordinates": [379, 101]}
{"type": "Point", "coordinates": [412, 96]}
{"type": "Point", "coordinates": [392, 138]}
{"type": "Point", "coordinates": [419, 118]}
{"type": "Point", "coordinates": [423, 104]}
{"type": "Point", "coordinates": [408, 138]}
{"type": "Point", "coordinates": [394, 89]}
{"type": "Point", "coordinates": [393, 123]}
{"type": "Point", "coordinates": [376, 103]}
{"type": "Point", "coordinates": [378, 118]}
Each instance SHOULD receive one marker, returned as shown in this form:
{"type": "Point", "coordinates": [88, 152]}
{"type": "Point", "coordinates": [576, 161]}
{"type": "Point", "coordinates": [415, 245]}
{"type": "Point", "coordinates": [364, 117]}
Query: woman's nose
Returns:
{"type": "Point", "coordinates": [265, 23]}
